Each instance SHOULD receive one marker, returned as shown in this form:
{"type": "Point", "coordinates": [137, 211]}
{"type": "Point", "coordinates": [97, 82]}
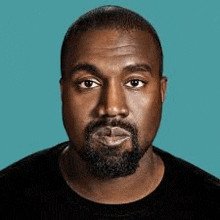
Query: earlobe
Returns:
{"type": "Point", "coordinates": [163, 87]}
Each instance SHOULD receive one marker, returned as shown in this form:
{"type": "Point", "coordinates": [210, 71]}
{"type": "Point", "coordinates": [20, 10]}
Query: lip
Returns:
{"type": "Point", "coordinates": [111, 136]}
{"type": "Point", "coordinates": [111, 141]}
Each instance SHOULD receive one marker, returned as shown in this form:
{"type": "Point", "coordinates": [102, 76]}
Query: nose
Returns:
{"type": "Point", "coordinates": [113, 101]}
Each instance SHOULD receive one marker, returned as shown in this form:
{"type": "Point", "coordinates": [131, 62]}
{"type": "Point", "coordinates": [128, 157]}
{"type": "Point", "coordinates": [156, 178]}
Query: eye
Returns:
{"type": "Point", "coordinates": [135, 83]}
{"type": "Point", "coordinates": [88, 84]}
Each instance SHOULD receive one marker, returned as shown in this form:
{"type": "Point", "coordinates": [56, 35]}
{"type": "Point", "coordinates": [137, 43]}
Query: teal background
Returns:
{"type": "Point", "coordinates": [31, 34]}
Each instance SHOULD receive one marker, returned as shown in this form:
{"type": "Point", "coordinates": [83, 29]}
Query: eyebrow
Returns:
{"type": "Point", "coordinates": [86, 67]}
{"type": "Point", "coordinates": [139, 67]}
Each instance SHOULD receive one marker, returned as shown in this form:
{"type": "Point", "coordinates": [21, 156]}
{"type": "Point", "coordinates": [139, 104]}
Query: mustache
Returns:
{"type": "Point", "coordinates": [93, 126]}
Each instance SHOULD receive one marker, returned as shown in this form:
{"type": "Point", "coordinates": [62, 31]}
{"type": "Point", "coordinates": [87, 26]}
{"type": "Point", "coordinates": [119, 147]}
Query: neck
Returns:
{"type": "Point", "coordinates": [112, 191]}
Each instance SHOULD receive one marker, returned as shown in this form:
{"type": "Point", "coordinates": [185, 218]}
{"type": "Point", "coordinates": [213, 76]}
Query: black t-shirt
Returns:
{"type": "Point", "coordinates": [33, 188]}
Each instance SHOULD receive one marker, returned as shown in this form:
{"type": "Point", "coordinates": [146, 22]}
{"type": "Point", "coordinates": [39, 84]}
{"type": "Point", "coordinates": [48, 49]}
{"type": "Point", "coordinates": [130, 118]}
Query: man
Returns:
{"type": "Point", "coordinates": [112, 91]}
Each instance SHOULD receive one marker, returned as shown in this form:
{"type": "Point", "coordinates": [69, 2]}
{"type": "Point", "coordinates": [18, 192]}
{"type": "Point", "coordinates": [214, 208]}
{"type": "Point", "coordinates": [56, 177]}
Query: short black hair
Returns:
{"type": "Point", "coordinates": [110, 17]}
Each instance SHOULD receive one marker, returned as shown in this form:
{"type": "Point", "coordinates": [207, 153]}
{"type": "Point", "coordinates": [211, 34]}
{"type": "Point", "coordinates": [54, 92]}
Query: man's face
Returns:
{"type": "Point", "coordinates": [112, 98]}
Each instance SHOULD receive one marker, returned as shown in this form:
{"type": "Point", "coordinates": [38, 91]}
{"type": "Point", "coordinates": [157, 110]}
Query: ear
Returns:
{"type": "Point", "coordinates": [163, 87]}
{"type": "Point", "coordinates": [61, 87]}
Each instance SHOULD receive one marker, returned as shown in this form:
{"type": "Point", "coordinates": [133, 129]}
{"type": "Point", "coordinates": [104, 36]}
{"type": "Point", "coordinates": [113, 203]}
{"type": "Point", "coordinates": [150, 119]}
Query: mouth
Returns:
{"type": "Point", "coordinates": [111, 141]}
{"type": "Point", "coordinates": [111, 136]}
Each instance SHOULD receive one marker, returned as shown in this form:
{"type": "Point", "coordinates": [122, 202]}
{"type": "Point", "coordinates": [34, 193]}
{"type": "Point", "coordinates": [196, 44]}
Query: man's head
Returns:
{"type": "Point", "coordinates": [112, 89]}
{"type": "Point", "coordinates": [108, 17]}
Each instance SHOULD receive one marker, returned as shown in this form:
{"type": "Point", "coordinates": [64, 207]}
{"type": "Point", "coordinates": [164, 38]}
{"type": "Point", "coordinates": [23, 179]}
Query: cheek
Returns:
{"type": "Point", "coordinates": [146, 112]}
{"type": "Point", "coordinates": [77, 111]}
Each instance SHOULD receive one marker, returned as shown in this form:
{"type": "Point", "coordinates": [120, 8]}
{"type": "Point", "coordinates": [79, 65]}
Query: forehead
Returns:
{"type": "Point", "coordinates": [114, 48]}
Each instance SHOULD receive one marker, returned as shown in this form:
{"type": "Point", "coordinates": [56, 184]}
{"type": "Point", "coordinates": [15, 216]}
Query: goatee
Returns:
{"type": "Point", "coordinates": [108, 162]}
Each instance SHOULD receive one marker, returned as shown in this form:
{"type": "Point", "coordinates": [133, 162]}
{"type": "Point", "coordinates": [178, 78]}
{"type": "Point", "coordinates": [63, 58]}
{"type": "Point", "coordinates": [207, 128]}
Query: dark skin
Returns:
{"type": "Point", "coordinates": [113, 74]}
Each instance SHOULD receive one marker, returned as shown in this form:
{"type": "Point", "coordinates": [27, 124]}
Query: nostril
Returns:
{"type": "Point", "coordinates": [113, 111]}
{"type": "Point", "coordinates": [125, 111]}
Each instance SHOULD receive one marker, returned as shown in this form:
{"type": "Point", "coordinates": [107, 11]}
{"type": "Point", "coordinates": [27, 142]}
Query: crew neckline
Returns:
{"type": "Point", "coordinates": [147, 204]}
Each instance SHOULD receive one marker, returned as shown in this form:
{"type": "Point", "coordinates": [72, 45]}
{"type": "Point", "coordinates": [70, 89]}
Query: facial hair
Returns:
{"type": "Point", "coordinates": [111, 162]}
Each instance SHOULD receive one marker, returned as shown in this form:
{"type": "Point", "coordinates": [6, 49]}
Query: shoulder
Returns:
{"type": "Point", "coordinates": [190, 182]}
{"type": "Point", "coordinates": [29, 168]}
{"type": "Point", "coordinates": [186, 169]}
{"type": "Point", "coordinates": [27, 184]}
{"type": "Point", "coordinates": [188, 172]}
{"type": "Point", "coordinates": [189, 188]}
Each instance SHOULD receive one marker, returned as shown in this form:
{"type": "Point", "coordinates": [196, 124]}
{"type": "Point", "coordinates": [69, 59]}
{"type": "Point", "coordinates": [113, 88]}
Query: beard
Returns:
{"type": "Point", "coordinates": [107, 162]}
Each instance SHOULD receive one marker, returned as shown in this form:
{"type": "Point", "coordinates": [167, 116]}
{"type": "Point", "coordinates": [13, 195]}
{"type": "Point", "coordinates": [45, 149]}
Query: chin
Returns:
{"type": "Point", "coordinates": [112, 162]}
